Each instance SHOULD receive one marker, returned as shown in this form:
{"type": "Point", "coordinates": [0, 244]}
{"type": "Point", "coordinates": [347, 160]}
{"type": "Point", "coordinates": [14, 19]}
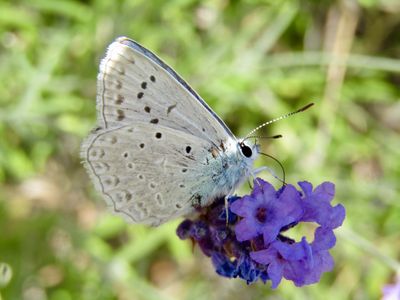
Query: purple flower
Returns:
{"type": "Point", "coordinates": [249, 243]}
{"type": "Point", "coordinates": [301, 262]}
{"type": "Point", "coordinates": [392, 291]}
{"type": "Point", "coordinates": [266, 211]}
{"type": "Point", "coordinates": [279, 258]}
{"type": "Point", "coordinates": [317, 206]}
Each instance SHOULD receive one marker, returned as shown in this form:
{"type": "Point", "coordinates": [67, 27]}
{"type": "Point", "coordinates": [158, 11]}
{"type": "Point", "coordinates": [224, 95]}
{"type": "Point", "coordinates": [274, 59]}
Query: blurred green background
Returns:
{"type": "Point", "coordinates": [251, 61]}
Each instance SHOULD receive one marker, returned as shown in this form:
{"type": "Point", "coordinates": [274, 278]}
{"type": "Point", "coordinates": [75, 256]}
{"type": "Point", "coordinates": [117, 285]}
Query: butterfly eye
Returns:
{"type": "Point", "coordinates": [246, 150]}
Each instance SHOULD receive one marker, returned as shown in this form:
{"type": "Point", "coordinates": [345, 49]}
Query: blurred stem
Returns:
{"type": "Point", "coordinates": [134, 251]}
{"type": "Point", "coordinates": [341, 26]}
{"type": "Point", "coordinates": [269, 37]}
{"type": "Point", "coordinates": [369, 247]}
{"type": "Point", "coordinates": [311, 58]}
{"type": "Point", "coordinates": [255, 50]}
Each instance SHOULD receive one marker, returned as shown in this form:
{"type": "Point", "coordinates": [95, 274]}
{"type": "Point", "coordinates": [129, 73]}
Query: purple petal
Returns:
{"type": "Point", "coordinates": [290, 251]}
{"type": "Point", "coordinates": [324, 239]}
{"type": "Point", "coordinates": [337, 216]}
{"type": "Point", "coordinates": [275, 272]}
{"type": "Point", "coordinates": [314, 209]}
{"type": "Point", "coordinates": [317, 208]}
{"type": "Point", "coordinates": [289, 204]}
{"type": "Point", "coordinates": [325, 261]}
{"type": "Point", "coordinates": [296, 272]}
{"type": "Point", "coordinates": [270, 232]}
{"type": "Point", "coordinates": [309, 258]}
{"type": "Point", "coordinates": [306, 187]}
{"type": "Point", "coordinates": [264, 257]}
{"type": "Point", "coordinates": [325, 191]}
{"type": "Point", "coordinates": [246, 229]}
{"type": "Point", "coordinates": [282, 212]}
{"type": "Point", "coordinates": [243, 207]}
{"type": "Point", "coordinates": [264, 188]}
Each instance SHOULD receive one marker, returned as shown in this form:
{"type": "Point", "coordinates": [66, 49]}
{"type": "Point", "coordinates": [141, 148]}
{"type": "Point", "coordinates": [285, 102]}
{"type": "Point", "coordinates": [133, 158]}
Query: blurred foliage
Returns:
{"type": "Point", "coordinates": [251, 60]}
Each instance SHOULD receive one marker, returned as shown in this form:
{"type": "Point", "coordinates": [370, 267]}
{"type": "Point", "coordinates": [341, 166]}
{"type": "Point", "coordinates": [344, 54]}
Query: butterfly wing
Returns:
{"type": "Point", "coordinates": [149, 173]}
{"type": "Point", "coordinates": [135, 85]}
{"type": "Point", "coordinates": [142, 177]}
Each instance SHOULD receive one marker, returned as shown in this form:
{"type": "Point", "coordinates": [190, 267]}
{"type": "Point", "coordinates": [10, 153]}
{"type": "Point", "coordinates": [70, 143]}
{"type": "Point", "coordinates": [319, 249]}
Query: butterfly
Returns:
{"type": "Point", "coordinates": [158, 151]}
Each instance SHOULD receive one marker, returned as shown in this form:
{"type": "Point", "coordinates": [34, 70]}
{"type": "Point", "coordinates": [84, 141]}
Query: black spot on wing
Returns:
{"type": "Point", "coordinates": [170, 108]}
{"type": "Point", "coordinates": [119, 99]}
{"type": "Point", "coordinates": [97, 129]}
{"type": "Point", "coordinates": [120, 115]}
{"type": "Point", "coordinates": [118, 84]}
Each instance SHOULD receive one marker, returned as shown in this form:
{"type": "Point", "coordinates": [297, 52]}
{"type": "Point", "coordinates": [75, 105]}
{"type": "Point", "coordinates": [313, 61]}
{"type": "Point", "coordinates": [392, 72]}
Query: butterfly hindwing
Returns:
{"type": "Point", "coordinates": [148, 173]}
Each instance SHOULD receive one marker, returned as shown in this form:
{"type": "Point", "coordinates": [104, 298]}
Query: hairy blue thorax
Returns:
{"type": "Point", "coordinates": [227, 168]}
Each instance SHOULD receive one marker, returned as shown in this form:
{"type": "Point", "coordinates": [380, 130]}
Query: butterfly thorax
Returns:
{"type": "Point", "coordinates": [226, 168]}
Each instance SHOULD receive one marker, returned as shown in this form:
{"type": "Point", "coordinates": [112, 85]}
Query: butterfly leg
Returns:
{"type": "Point", "coordinates": [226, 210]}
{"type": "Point", "coordinates": [249, 183]}
{"type": "Point", "coordinates": [265, 168]}
{"type": "Point", "coordinates": [253, 174]}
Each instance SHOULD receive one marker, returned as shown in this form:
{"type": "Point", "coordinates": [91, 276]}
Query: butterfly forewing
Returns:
{"type": "Point", "coordinates": [135, 85]}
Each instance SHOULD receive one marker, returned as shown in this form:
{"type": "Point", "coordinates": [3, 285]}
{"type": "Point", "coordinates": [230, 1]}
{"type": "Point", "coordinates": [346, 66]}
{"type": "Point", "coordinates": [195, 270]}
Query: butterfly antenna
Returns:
{"type": "Point", "coordinates": [278, 136]}
{"type": "Point", "coordinates": [278, 119]}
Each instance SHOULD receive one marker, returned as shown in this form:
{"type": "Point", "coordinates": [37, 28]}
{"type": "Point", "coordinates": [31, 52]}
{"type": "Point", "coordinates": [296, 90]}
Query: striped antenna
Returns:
{"type": "Point", "coordinates": [278, 119]}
